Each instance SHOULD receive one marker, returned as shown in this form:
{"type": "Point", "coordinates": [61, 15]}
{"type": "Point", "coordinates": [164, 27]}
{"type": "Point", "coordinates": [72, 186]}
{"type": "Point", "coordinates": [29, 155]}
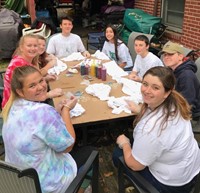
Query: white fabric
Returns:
{"type": "Point", "coordinates": [141, 65]}
{"type": "Point", "coordinates": [100, 55]}
{"type": "Point", "coordinates": [99, 90]}
{"type": "Point", "coordinates": [74, 56]}
{"type": "Point", "coordinates": [77, 110]}
{"type": "Point", "coordinates": [62, 46]}
{"type": "Point", "coordinates": [114, 70]}
{"type": "Point", "coordinates": [119, 104]}
{"type": "Point", "coordinates": [132, 88]}
{"type": "Point", "coordinates": [173, 156]}
{"type": "Point", "coordinates": [123, 53]}
{"type": "Point", "coordinates": [58, 68]}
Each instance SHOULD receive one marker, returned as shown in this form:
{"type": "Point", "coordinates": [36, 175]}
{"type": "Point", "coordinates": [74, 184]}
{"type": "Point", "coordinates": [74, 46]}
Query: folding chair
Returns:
{"type": "Point", "coordinates": [131, 39]}
{"type": "Point", "coordinates": [15, 179]}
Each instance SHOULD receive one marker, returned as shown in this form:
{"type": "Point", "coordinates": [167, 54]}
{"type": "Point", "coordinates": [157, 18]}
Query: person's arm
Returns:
{"type": "Point", "coordinates": [86, 54]}
{"type": "Point", "coordinates": [124, 144]}
{"type": "Point", "coordinates": [122, 65]}
{"type": "Point", "coordinates": [135, 108]}
{"type": "Point", "coordinates": [133, 76]}
{"type": "Point", "coordinates": [57, 92]}
{"type": "Point", "coordinates": [65, 114]}
{"type": "Point", "coordinates": [49, 65]}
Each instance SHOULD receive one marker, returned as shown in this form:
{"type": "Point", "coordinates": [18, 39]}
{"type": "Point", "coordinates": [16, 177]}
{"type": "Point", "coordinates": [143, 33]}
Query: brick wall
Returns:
{"type": "Point", "coordinates": [190, 36]}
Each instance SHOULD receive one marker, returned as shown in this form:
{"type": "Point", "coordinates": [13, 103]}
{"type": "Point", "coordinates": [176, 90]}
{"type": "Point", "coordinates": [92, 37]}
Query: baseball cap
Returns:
{"type": "Point", "coordinates": [171, 48]}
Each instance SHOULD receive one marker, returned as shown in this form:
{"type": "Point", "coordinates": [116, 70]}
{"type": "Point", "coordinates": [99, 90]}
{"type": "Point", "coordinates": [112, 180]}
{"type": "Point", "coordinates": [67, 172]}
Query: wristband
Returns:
{"type": "Point", "coordinates": [68, 107]}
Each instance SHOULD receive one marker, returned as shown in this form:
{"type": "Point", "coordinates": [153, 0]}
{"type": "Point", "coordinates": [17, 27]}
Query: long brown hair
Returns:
{"type": "Point", "coordinates": [42, 61]}
{"type": "Point", "coordinates": [174, 104]}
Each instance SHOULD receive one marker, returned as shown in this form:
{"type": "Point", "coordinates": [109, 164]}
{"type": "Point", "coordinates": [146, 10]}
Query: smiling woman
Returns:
{"type": "Point", "coordinates": [164, 125]}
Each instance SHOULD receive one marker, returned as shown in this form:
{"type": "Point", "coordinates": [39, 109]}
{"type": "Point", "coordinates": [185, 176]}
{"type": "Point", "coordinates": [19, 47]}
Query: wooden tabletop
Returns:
{"type": "Point", "coordinates": [95, 109]}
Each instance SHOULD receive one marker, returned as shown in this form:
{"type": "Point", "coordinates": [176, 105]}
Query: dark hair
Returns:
{"type": "Point", "coordinates": [116, 38]}
{"type": "Point", "coordinates": [175, 103]}
{"type": "Point", "coordinates": [143, 38]}
{"type": "Point", "coordinates": [65, 18]}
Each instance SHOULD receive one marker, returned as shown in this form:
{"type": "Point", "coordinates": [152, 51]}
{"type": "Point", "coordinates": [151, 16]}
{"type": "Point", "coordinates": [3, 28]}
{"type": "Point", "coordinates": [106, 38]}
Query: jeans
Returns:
{"type": "Point", "coordinates": [162, 188]}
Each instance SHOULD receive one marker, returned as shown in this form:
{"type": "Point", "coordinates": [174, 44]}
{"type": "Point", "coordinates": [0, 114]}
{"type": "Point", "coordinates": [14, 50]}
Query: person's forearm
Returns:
{"type": "Point", "coordinates": [130, 160]}
{"type": "Point", "coordinates": [65, 113]}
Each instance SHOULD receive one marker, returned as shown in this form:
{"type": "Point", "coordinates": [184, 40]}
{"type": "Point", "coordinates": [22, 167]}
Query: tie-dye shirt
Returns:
{"type": "Point", "coordinates": [35, 136]}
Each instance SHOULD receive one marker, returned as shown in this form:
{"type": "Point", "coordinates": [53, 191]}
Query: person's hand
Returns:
{"type": "Point", "coordinates": [57, 92]}
{"type": "Point", "coordinates": [86, 54]}
{"type": "Point", "coordinates": [50, 57]}
{"type": "Point", "coordinates": [135, 108]}
{"type": "Point", "coordinates": [70, 103]}
{"type": "Point", "coordinates": [50, 77]}
{"type": "Point", "coordinates": [134, 77]}
{"type": "Point", "coordinates": [121, 140]}
{"type": "Point", "coordinates": [51, 64]}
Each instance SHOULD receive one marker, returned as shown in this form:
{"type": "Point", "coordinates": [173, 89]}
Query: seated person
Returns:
{"type": "Point", "coordinates": [65, 43]}
{"type": "Point", "coordinates": [45, 61]}
{"type": "Point", "coordinates": [164, 150]}
{"type": "Point", "coordinates": [26, 54]}
{"type": "Point", "coordinates": [144, 59]}
{"type": "Point", "coordinates": [39, 136]}
{"type": "Point", "coordinates": [116, 50]}
{"type": "Point", "coordinates": [186, 81]}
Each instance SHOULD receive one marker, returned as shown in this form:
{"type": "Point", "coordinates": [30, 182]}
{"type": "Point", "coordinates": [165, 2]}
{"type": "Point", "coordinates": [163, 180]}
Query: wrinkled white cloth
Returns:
{"type": "Point", "coordinates": [119, 104]}
{"type": "Point", "coordinates": [58, 68]}
{"type": "Point", "coordinates": [74, 56]}
{"type": "Point", "coordinates": [100, 55]}
{"type": "Point", "coordinates": [99, 90]}
{"type": "Point", "coordinates": [77, 110]}
{"type": "Point", "coordinates": [114, 70]}
{"type": "Point", "coordinates": [131, 88]}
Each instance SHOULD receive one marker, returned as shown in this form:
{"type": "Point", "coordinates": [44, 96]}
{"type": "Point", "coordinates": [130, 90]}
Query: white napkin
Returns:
{"type": "Point", "coordinates": [58, 68]}
{"type": "Point", "coordinates": [77, 110]}
{"type": "Point", "coordinates": [131, 88]}
{"type": "Point", "coordinates": [114, 70]}
{"type": "Point", "coordinates": [74, 56]}
{"type": "Point", "coordinates": [99, 90]}
{"type": "Point", "coordinates": [120, 104]}
{"type": "Point", "coordinates": [100, 55]}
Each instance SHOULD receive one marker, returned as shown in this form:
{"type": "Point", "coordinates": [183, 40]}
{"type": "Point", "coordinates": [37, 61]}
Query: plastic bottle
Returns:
{"type": "Point", "coordinates": [82, 69]}
{"type": "Point", "coordinates": [103, 74]}
{"type": "Point", "coordinates": [92, 71]}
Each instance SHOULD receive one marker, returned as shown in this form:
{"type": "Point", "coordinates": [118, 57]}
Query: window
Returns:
{"type": "Point", "coordinates": [173, 13]}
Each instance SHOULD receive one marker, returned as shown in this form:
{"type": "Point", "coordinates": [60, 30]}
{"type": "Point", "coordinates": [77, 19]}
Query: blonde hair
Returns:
{"type": "Point", "coordinates": [17, 83]}
{"type": "Point", "coordinates": [21, 42]}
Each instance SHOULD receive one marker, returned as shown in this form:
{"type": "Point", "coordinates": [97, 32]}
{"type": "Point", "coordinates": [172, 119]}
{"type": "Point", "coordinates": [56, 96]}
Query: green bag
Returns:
{"type": "Point", "coordinates": [140, 21]}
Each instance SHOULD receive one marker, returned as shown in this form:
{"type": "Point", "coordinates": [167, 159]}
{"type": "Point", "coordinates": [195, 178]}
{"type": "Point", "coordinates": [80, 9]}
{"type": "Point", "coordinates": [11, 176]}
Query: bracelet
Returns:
{"type": "Point", "coordinates": [68, 107]}
{"type": "Point", "coordinates": [121, 145]}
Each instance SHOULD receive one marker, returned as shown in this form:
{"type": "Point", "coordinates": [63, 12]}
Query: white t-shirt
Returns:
{"type": "Point", "coordinates": [123, 53]}
{"type": "Point", "coordinates": [173, 157]}
{"type": "Point", "coordinates": [141, 65]}
{"type": "Point", "coordinates": [63, 46]}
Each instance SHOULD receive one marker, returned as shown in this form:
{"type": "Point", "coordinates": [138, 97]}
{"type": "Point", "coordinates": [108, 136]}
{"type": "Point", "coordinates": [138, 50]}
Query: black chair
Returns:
{"type": "Point", "coordinates": [14, 179]}
{"type": "Point", "coordinates": [95, 40]}
{"type": "Point", "coordinates": [138, 182]}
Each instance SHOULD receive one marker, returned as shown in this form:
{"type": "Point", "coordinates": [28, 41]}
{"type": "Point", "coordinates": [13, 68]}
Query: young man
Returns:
{"type": "Point", "coordinates": [186, 81]}
{"type": "Point", "coordinates": [144, 59]}
{"type": "Point", "coordinates": [65, 43]}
